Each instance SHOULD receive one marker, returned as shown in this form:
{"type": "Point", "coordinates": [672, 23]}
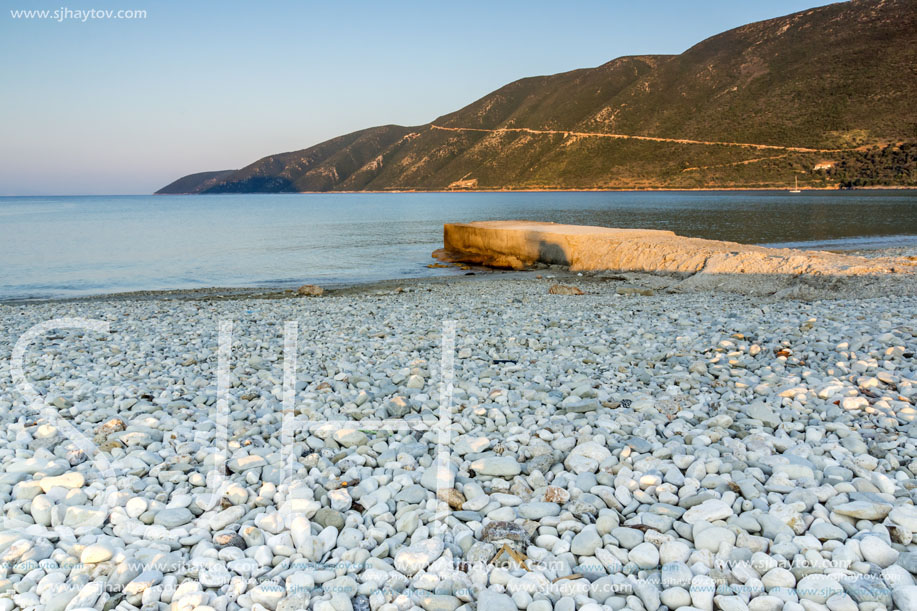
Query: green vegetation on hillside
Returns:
{"type": "Point", "coordinates": [888, 165]}
{"type": "Point", "coordinates": [838, 81]}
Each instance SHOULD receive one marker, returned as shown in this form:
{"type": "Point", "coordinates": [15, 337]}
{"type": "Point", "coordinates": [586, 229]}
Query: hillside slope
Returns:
{"type": "Point", "coordinates": [825, 95]}
{"type": "Point", "coordinates": [195, 182]}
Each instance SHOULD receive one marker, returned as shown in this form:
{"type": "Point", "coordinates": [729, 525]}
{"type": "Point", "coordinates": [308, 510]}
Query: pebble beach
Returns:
{"type": "Point", "coordinates": [620, 449]}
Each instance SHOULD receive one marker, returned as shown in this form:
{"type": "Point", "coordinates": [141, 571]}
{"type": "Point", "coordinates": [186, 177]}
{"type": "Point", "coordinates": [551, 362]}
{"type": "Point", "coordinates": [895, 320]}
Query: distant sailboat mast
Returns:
{"type": "Point", "coordinates": [796, 188]}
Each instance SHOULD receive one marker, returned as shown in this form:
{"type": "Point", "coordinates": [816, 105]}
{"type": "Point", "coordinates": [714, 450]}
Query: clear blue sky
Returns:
{"type": "Point", "coordinates": [126, 106]}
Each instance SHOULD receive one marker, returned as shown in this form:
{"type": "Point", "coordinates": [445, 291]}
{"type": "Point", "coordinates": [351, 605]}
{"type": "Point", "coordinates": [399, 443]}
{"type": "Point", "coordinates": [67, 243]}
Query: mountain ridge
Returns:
{"type": "Point", "coordinates": [822, 95]}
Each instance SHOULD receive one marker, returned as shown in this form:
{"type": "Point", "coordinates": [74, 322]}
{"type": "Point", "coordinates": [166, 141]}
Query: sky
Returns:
{"type": "Point", "coordinates": [120, 106]}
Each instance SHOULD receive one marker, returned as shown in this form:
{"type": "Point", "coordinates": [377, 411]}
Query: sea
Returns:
{"type": "Point", "coordinates": [56, 247]}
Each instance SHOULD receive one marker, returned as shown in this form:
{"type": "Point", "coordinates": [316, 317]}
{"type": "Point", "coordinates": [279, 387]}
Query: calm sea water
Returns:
{"type": "Point", "coordinates": [68, 246]}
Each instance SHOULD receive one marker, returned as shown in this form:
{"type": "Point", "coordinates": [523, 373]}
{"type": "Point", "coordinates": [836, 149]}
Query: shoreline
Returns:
{"type": "Point", "coordinates": [560, 190]}
{"type": "Point", "coordinates": [784, 189]}
{"type": "Point", "coordinates": [661, 284]}
{"type": "Point", "coordinates": [224, 293]}
{"type": "Point", "coordinates": [472, 273]}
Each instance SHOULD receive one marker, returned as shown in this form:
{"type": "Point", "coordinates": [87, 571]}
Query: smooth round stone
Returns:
{"type": "Point", "coordinates": [712, 538]}
{"type": "Point", "coordinates": [877, 551]}
{"type": "Point", "coordinates": [502, 514]}
{"type": "Point", "coordinates": [136, 506]}
{"type": "Point", "coordinates": [674, 598]}
{"type": "Point", "coordinates": [606, 523]}
{"type": "Point", "coordinates": [905, 598]}
{"type": "Point", "coordinates": [765, 603]}
{"type": "Point", "coordinates": [824, 531]}
{"type": "Point", "coordinates": [340, 499]}
{"type": "Point", "coordinates": [905, 516]}
{"type": "Point", "coordinates": [69, 480]}
{"type": "Point", "coordinates": [645, 556]}
{"type": "Point", "coordinates": [173, 518]}
{"type": "Point", "coordinates": [26, 490]}
{"type": "Point", "coordinates": [629, 538]}
{"type": "Point", "coordinates": [897, 575]}
{"type": "Point", "coordinates": [477, 503]}
{"type": "Point", "coordinates": [586, 542]}
{"type": "Point", "coordinates": [228, 539]}
{"type": "Point", "coordinates": [497, 466]}
{"type": "Point", "coordinates": [41, 508]}
{"type": "Point", "coordinates": [245, 463]}
{"type": "Point", "coordinates": [841, 602]}
{"type": "Point", "coordinates": [674, 551]}
{"type": "Point", "coordinates": [778, 578]}
{"type": "Point", "coordinates": [144, 581]}
{"type": "Point", "coordinates": [412, 495]}
{"type": "Point", "coordinates": [762, 563]}
{"type": "Point", "coordinates": [818, 588]}
{"type": "Point", "coordinates": [676, 574]}
{"type": "Point", "coordinates": [95, 553]}
{"type": "Point", "coordinates": [418, 556]}
{"type": "Point", "coordinates": [215, 577]}
{"type": "Point", "coordinates": [835, 474]}
{"type": "Point", "coordinates": [702, 591]}
{"type": "Point", "coordinates": [764, 413]}
{"type": "Point", "coordinates": [349, 538]}
{"type": "Point", "coordinates": [495, 601]}
{"type": "Point", "coordinates": [440, 602]}
{"type": "Point", "coordinates": [236, 494]}
{"type": "Point", "coordinates": [350, 437]}
{"type": "Point", "coordinates": [586, 457]}
{"type": "Point", "coordinates": [586, 481]}
{"type": "Point", "coordinates": [730, 603]}
{"type": "Point", "coordinates": [566, 603]}
{"type": "Point", "coordinates": [267, 594]}
{"type": "Point", "coordinates": [507, 500]}
{"type": "Point", "coordinates": [708, 511]}
{"type": "Point", "coordinates": [437, 477]}
{"type": "Point", "coordinates": [330, 517]}
{"type": "Point", "coordinates": [537, 510]}
{"type": "Point", "coordinates": [864, 510]}
{"type": "Point", "coordinates": [471, 445]}
{"type": "Point", "coordinates": [85, 517]}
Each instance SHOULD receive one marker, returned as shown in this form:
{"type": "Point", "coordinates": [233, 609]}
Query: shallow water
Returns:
{"type": "Point", "coordinates": [69, 246]}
